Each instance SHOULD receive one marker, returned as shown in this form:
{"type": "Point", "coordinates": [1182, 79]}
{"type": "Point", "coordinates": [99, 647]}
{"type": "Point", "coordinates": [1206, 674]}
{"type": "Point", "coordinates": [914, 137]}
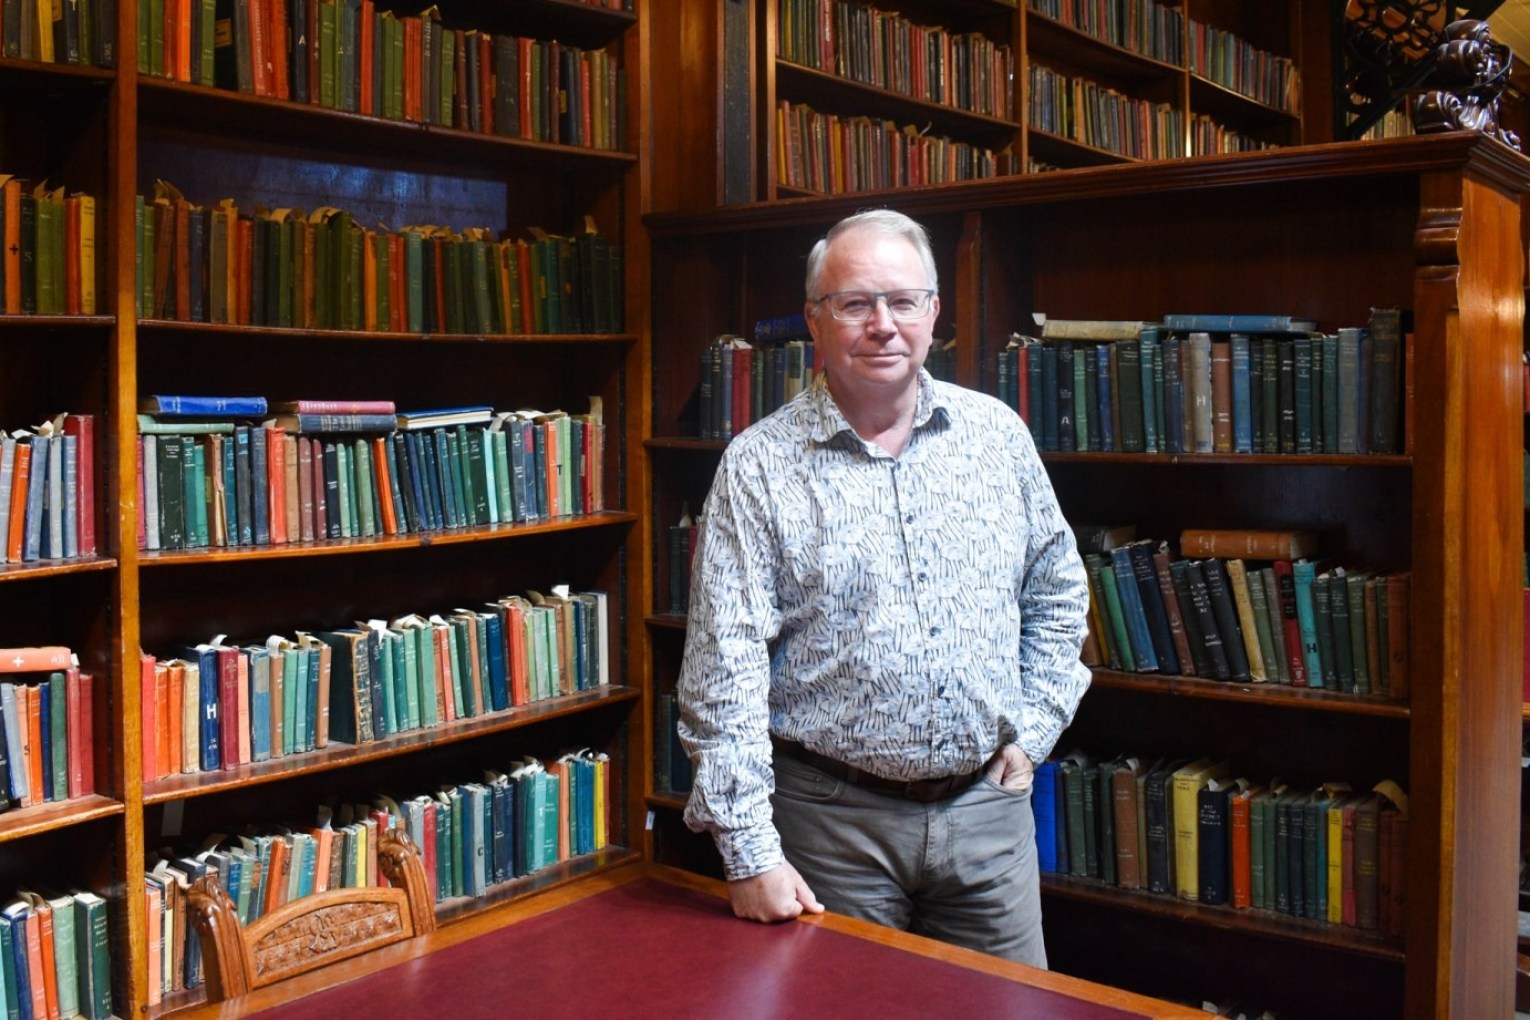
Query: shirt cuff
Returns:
{"type": "Point", "coordinates": [749, 852]}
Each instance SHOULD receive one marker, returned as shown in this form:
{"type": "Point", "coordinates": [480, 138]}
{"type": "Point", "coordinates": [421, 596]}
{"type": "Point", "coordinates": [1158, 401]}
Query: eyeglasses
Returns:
{"type": "Point", "coordinates": [860, 305]}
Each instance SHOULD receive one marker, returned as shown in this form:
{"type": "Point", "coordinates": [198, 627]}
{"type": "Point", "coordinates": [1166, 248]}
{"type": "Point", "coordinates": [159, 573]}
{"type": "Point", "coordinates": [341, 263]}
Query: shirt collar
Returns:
{"type": "Point", "coordinates": [828, 421]}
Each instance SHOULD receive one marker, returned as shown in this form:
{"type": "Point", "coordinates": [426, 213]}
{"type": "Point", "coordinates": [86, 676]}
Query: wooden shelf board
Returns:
{"type": "Point", "coordinates": [54, 323]}
{"type": "Point", "coordinates": [686, 443]}
{"type": "Point", "coordinates": [239, 116]}
{"type": "Point", "coordinates": [1209, 97]}
{"type": "Point", "coordinates": [1050, 36]}
{"type": "Point", "coordinates": [1323, 460]}
{"type": "Point", "coordinates": [384, 543]}
{"type": "Point", "coordinates": [667, 621]}
{"type": "Point", "coordinates": [1258, 922]}
{"type": "Point", "coordinates": [1302, 698]}
{"type": "Point", "coordinates": [148, 327]}
{"type": "Point", "coordinates": [54, 568]}
{"type": "Point", "coordinates": [1054, 148]}
{"type": "Point", "coordinates": [30, 821]}
{"type": "Point", "coordinates": [339, 756]}
{"type": "Point", "coordinates": [28, 73]}
{"type": "Point", "coordinates": [667, 801]}
{"type": "Point", "coordinates": [844, 95]}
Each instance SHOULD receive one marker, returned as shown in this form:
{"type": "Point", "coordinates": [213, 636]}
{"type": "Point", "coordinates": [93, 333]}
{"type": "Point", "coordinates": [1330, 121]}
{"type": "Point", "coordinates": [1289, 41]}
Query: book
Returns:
{"type": "Point", "coordinates": [1238, 323]}
{"type": "Point", "coordinates": [444, 417]}
{"type": "Point", "coordinates": [1187, 782]}
{"type": "Point", "coordinates": [1249, 544]}
{"type": "Point", "coordinates": [202, 406]}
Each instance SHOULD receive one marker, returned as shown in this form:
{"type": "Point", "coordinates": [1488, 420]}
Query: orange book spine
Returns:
{"type": "Point", "coordinates": [35, 965]}
{"type": "Point", "coordinates": [397, 300]}
{"type": "Point", "coordinates": [242, 282]}
{"type": "Point", "coordinates": [164, 757]}
{"type": "Point", "coordinates": [383, 476]}
{"type": "Point", "coordinates": [276, 38]}
{"type": "Point", "coordinates": [12, 247]}
{"type": "Point", "coordinates": [485, 43]}
{"type": "Point", "coordinates": [76, 742]}
{"type": "Point", "coordinates": [35, 745]}
{"type": "Point", "coordinates": [445, 680]}
{"type": "Point", "coordinates": [366, 101]}
{"type": "Point", "coordinates": [148, 709]}
{"type": "Point", "coordinates": [19, 479]}
{"type": "Point", "coordinates": [515, 631]}
{"type": "Point", "coordinates": [412, 48]}
{"type": "Point", "coordinates": [44, 915]}
{"type": "Point", "coordinates": [369, 282]}
{"type": "Point", "coordinates": [276, 485]}
{"type": "Point", "coordinates": [72, 256]}
{"type": "Point", "coordinates": [175, 711]}
{"type": "Point", "coordinates": [260, 47]}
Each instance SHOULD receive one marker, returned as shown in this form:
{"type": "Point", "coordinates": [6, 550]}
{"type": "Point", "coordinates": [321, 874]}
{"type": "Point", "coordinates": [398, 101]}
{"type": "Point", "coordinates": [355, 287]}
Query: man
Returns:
{"type": "Point", "coordinates": [886, 616]}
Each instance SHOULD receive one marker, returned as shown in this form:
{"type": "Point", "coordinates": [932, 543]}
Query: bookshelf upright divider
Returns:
{"type": "Point", "coordinates": [1428, 225]}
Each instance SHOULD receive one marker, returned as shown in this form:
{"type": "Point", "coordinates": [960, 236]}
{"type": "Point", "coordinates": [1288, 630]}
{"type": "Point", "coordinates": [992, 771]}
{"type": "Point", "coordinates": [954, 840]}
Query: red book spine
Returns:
{"type": "Point", "coordinates": [87, 685]}
{"type": "Point", "coordinates": [1242, 859]}
{"type": "Point", "coordinates": [76, 738]}
{"type": "Point", "coordinates": [276, 485]}
{"type": "Point", "coordinates": [1286, 583]}
{"type": "Point", "coordinates": [83, 428]}
{"type": "Point", "coordinates": [228, 706]}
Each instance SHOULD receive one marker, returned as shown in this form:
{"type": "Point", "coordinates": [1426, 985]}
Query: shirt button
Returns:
{"type": "Point", "coordinates": [934, 632]}
{"type": "Point", "coordinates": [909, 519]}
{"type": "Point", "coordinates": [923, 576]}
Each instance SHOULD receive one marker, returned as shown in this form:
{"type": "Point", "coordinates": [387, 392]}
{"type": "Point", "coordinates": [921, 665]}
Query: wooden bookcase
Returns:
{"type": "Point", "coordinates": [733, 62]}
{"type": "Point", "coordinates": [113, 132]}
{"type": "Point", "coordinates": [1431, 225]}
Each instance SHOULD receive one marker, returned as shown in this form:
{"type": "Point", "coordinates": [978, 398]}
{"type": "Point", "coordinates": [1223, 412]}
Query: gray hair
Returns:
{"type": "Point", "coordinates": [889, 222]}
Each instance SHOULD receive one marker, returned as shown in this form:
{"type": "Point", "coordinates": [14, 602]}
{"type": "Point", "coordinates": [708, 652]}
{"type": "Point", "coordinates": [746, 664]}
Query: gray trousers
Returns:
{"type": "Point", "coordinates": [961, 870]}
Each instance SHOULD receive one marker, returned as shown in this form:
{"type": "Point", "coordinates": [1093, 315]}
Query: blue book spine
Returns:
{"type": "Point", "coordinates": [260, 487]}
{"type": "Point", "coordinates": [45, 752]}
{"type": "Point", "coordinates": [207, 685]}
{"type": "Point", "coordinates": [260, 702]}
{"type": "Point", "coordinates": [1104, 388]}
{"type": "Point", "coordinates": [1302, 574]}
{"type": "Point", "coordinates": [499, 687]}
{"type": "Point", "coordinates": [1240, 323]}
{"type": "Point", "coordinates": [1050, 398]}
{"type": "Point", "coordinates": [1173, 397]}
{"type": "Point", "coordinates": [1033, 390]}
{"type": "Point", "coordinates": [1133, 610]}
{"type": "Point", "coordinates": [206, 407]}
{"type": "Point", "coordinates": [1242, 397]}
{"type": "Point", "coordinates": [311, 715]}
{"type": "Point", "coordinates": [345, 422]}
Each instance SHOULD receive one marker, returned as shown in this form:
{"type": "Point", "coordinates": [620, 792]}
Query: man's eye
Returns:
{"type": "Point", "coordinates": [903, 304]}
{"type": "Point", "coordinates": [855, 306]}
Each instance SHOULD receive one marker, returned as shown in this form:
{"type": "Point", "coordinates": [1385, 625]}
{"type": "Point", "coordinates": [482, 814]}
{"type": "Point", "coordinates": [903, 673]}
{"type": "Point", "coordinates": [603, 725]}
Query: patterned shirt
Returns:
{"type": "Point", "coordinates": [906, 615]}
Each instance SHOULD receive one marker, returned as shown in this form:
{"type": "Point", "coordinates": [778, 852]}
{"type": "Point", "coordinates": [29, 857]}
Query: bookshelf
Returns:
{"type": "Point", "coordinates": [1429, 224]}
{"type": "Point", "coordinates": [113, 132]}
{"type": "Point", "coordinates": [792, 85]}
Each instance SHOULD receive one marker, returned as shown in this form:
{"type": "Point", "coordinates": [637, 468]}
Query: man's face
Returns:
{"type": "Point", "coordinates": [878, 358]}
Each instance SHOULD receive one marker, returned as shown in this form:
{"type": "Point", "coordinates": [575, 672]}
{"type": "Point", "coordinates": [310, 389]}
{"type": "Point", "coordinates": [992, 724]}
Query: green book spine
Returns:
{"type": "Point", "coordinates": [389, 690]}
{"type": "Point", "coordinates": [329, 53]}
{"type": "Point", "coordinates": [414, 273]}
{"type": "Point", "coordinates": [1257, 866]}
{"type": "Point", "coordinates": [66, 974]}
{"type": "Point", "coordinates": [302, 737]}
{"type": "Point", "coordinates": [364, 488]}
{"type": "Point", "coordinates": [31, 217]}
{"type": "Point", "coordinates": [425, 648]}
{"type": "Point", "coordinates": [196, 499]}
{"type": "Point", "coordinates": [403, 683]}
{"type": "Point", "coordinates": [8, 969]}
{"type": "Point", "coordinates": [289, 699]}
{"type": "Point", "coordinates": [345, 498]}
{"type": "Point", "coordinates": [1355, 583]}
{"type": "Point", "coordinates": [409, 668]}
{"type": "Point", "coordinates": [396, 73]}
{"type": "Point", "coordinates": [58, 740]}
{"type": "Point", "coordinates": [501, 444]}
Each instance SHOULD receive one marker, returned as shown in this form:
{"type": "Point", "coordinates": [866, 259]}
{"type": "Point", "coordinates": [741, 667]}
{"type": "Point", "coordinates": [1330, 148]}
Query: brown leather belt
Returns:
{"type": "Point", "coordinates": [925, 791]}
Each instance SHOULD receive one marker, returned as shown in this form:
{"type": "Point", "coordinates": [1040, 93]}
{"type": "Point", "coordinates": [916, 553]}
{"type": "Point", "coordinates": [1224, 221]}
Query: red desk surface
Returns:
{"type": "Point", "coordinates": [653, 949]}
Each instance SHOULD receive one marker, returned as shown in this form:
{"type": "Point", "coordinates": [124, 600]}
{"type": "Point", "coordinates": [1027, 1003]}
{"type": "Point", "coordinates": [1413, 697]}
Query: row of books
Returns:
{"type": "Point", "coordinates": [682, 550]}
{"type": "Point", "coordinates": [743, 382]}
{"type": "Point", "coordinates": [1193, 830]}
{"type": "Point", "coordinates": [219, 705]}
{"type": "Point", "coordinates": [349, 55]}
{"type": "Point", "coordinates": [48, 751]}
{"type": "Point", "coordinates": [301, 476]}
{"type": "Point", "coordinates": [323, 270]}
{"type": "Point", "coordinates": [48, 490]}
{"type": "Point", "coordinates": [1235, 64]}
{"type": "Point", "coordinates": [471, 836]}
{"type": "Point", "coordinates": [1087, 111]}
{"type": "Point", "coordinates": [1275, 616]}
{"type": "Point", "coordinates": [56, 956]}
{"type": "Point", "coordinates": [1175, 387]}
{"type": "Point", "coordinates": [965, 70]}
{"type": "Point", "coordinates": [1209, 137]}
{"type": "Point", "coordinates": [671, 765]}
{"type": "Point", "coordinates": [58, 32]}
{"type": "Point", "coordinates": [827, 153]}
{"type": "Point", "coordinates": [1142, 26]}
{"type": "Point", "coordinates": [49, 258]}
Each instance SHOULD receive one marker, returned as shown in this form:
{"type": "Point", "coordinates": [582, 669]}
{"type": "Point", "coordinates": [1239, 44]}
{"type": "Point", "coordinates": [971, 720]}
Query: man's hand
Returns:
{"type": "Point", "coordinates": [1011, 768]}
{"type": "Point", "coordinates": [779, 894]}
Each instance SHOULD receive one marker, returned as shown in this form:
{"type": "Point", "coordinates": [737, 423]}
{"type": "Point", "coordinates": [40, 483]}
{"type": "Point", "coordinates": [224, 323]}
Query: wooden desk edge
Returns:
{"type": "Point", "coordinates": [561, 896]}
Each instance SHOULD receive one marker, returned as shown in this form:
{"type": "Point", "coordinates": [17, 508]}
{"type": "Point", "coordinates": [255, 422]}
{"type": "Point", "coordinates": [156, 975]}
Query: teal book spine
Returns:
{"type": "Point", "coordinates": [1303, 572]}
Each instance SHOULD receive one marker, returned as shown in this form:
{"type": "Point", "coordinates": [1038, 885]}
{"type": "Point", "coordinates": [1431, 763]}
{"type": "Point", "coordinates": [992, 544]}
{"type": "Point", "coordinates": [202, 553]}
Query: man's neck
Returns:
{"type": "Point", "coordinates": [883, 419]}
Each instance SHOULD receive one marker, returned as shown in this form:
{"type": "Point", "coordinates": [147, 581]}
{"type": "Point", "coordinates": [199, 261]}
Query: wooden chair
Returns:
{"type": "Point", "coordinates": [311, 932]}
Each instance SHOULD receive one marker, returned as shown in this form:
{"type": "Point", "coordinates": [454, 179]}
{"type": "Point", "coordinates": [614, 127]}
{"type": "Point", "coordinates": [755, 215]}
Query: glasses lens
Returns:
{"type": "Point", "coordinates": [859, 305]}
